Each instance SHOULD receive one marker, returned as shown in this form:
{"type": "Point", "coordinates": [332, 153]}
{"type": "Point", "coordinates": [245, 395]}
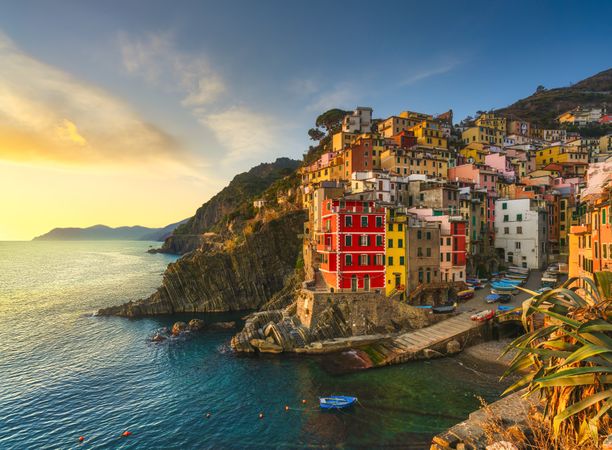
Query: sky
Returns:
{"type": "Point", "coordinates": [136, 112]}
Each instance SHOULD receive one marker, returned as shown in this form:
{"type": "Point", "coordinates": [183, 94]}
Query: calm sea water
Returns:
{"type": "Point", "coordinates": [65, 373]}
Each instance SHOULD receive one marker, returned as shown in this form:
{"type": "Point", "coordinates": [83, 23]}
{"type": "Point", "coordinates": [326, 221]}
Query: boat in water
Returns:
{"type": "Point", "coordinates": [337, 402]}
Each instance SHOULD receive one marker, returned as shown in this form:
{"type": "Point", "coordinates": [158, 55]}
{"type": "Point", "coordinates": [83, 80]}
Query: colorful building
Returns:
{"type": "Point", "coordinates": [396, 254]}
{"type": "Point", "coordinates": [351, 245]}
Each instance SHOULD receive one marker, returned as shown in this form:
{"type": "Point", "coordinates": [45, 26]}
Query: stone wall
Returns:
{"type": "Point", "coordinates": [363, 312]}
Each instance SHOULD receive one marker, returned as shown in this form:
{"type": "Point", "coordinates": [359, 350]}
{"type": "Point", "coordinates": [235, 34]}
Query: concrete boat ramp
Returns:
{"type": "Point", "coordinates": [447, 337]}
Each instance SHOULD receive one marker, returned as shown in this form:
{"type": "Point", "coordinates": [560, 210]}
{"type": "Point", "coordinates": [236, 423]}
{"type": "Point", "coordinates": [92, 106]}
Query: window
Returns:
{"type": "Point", "coordinates": [506, 218]}
{"type": "Point", "coordinates": [506, 230]}
{"type": "Point", "coordinates": [401, 260]}
{"type": "Point", "coordinates": [390, 260]}
{"type": "Point", "coordinates": [400, 243]}
{"type": "Point", "coordinates": [428, 236]}
{"type": "Point", "coordinates": [348, 260]}
{"type": "Point", "coordinates": [379, 240]}
{"type": "Point", "coordinates": [419, 252]}
{"type": "Point", "coordinates": [348, 241]}
{"type": "Point", "coordinates": [364, 241]}
{"type": "Point", "coordinates": [517, 245]}
{"type": "Point", "coordinates": [504, 205]}
{"type": "Point", "coordinates": [448, 241]}
{"type": "Point", "coordinates": [364, 260]}
{"type": "Point", "coordinates": [428, 251]}
{"type": "Point", "coordinates": [604, 251]}
{"type": "Point", "coordinates": [379, 221]}
{"type": "Point", "coordinates": [390, 227]}
{"type": "Point", "coordinates": [389, 243]}
{"type": "Point", "coordinates": [348, 221]}
{"type": "Point", "coordinates": [419, 235]}
{"type": "Point", "coordinates": [519, 217]}
{"type": "Point", "coordinates": [364, 221]}
{"type": "Point", "coordinates": [519, 230]}
{"type": "Point", "coordinates": [448, 257]}
{"type": "Point", "coordinates": [400, 227]}
{"type": "Point", "coordinates": [420, 275]}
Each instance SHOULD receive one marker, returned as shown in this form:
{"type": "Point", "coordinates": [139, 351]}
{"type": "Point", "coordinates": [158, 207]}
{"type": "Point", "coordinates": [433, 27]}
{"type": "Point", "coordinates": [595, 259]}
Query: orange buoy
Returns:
{"type": "Point", "coordinates": [261, 415]}
{"type": "Point", "coordinates": [304, 401]}
{"type": "Point", "coordinates": [81, 438]}
{"type": "Point", "coordinates": [126, 433]}
{"type": "Point", "coordinates": [286, 408]}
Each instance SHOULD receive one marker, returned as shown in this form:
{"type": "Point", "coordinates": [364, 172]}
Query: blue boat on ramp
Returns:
{"type": "Point", "coordinates": [337, 402]}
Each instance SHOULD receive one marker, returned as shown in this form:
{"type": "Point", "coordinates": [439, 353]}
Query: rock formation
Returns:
{"type": "Point", "coordinates": [239, 278]}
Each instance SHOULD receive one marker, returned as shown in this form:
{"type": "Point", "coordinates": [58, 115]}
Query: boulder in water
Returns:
{"type": "Point", "coordinates": [158, 337]}
{"type": "Point", "coordinates": [222, 325]}
{"type": "Point", "coordinates": [453, 347]}
{"type": "Point", "coordinates": [178, 328]}
{"type": "Point", "coordinates": [196, 325]}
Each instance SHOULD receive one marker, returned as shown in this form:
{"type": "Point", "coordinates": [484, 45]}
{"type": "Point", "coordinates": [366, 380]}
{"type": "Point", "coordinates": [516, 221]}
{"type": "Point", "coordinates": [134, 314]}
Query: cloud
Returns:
{"type": "Point", "coordinates": [341, 96]}
{"type": "Point", "coordinates": [155, 58]}
{"type": "Point", "coordinates": [246, 134]}
{"type": "Point", "coordinates": [428, 73]}
{"type": "Point", "coordinates": [48, 115]}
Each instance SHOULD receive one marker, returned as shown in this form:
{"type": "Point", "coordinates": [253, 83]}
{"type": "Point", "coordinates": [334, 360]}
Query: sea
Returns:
{"type": "Point", "coordinates": [66, 373]}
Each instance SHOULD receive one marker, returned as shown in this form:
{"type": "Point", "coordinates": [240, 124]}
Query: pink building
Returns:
{"type": "Point", "coordinates": [481, 177]}
{"type": "Point", "coordinates": [501, 163]}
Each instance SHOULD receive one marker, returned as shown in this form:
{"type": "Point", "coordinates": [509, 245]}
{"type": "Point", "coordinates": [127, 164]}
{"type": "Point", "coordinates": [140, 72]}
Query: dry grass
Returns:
{"type": "Point", "coordinates": [536, 433]}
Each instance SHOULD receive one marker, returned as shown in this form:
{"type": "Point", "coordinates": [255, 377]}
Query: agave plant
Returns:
{"type": "Point", "coordinates": [568, 360]}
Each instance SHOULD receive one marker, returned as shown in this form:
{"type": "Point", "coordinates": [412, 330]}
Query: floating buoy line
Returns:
{"type": "Point", "coordinates": [260, 416]}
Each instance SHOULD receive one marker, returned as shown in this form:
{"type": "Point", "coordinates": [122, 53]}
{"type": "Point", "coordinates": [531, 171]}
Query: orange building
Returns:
{"type": "Point", "coordinates": [591, 241]}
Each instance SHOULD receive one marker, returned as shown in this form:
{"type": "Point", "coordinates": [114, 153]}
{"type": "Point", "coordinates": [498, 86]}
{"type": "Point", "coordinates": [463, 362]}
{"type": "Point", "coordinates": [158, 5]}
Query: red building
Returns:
{"type": "Point", "coordinates": [459, 245]}
{"type": "Point", "coordinates": [351, 245]}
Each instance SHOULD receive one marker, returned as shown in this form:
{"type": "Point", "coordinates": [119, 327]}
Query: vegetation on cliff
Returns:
{"type": "Point", "coordinates": [232, 206]}
{"type": "Point", "coordinates": [543, 106]}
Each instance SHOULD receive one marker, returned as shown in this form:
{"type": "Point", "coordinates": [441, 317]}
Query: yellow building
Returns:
{"type": "Point", "coordinates": [491, 120]}
{"type": "Point", "coordinates": [560, 153]}
{"type": "Point", "coordinates": [395, 124]}
{"type": "Point", "coordinates": [396, 260]}
{"type": "Point", "coordinates": [483, 135]}
{"type": "Point", "coordinates": [341, 140]}
{"type": "Point", "coordinates": [404, 163]}
{"type": "Point", "coordinates": [429, 134]}
{"type": "Point", "coordinates": [475, 152]}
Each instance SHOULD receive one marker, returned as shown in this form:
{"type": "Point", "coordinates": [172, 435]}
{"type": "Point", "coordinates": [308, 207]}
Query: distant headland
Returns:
{"type": "Point", "coordinates": [106, 233]}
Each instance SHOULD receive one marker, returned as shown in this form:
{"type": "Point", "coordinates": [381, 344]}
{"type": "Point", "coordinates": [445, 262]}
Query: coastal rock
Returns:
{"type": "Point", "coordinates": [243, 277]}
{"type": "Point", "coordinates": [158, 337]}
{"type": "Point", "coordinates": [178, 328]}
{"type": "Point", "coordinates": [196, 325]}
{"type": "Point", "coordinates": [222, 325]}
{"type": "Point", "coordinates": [502, 445]}
{"type": "Point", "coordinates": [453, 347]}
{"type": "Point", "coordinates": [266, 347]}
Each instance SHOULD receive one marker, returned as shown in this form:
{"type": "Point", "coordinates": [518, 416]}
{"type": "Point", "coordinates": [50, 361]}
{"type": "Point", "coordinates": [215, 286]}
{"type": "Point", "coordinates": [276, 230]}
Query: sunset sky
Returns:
{"type": "Point", "coordinates": [125, 112]}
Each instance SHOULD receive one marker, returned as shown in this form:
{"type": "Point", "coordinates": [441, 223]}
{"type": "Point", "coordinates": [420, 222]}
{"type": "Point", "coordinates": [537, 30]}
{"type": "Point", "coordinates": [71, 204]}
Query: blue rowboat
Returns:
{"type": "Point", "coordinates": [492, 298]}
{"type": "Point", "coordinates": [337, 402]}
{"type": "Point", "coordinates": [503, 288]}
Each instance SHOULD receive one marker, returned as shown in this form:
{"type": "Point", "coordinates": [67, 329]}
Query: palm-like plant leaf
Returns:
{"type": "Point", "coordinates": [569, 360]}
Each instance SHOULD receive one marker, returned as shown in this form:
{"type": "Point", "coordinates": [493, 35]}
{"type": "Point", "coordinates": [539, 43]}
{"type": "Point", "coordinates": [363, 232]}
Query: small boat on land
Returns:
{"type": "Point", "coordinates": [517, 269]}
{"type": "Point", "coordinates": [505, 290]}
{"type": "Point", "coordinates": [492, 298]}
{"type": "Point", "coordinates": [444, 309]}
{"type": "Point", "coordinates": [483, 315]}
{"type": "Point", "coordinates": [505, 308]}
{"type": "Point", "coordinates": [337, 402]}
{"type": "Point", "coordinates": [464, 295]}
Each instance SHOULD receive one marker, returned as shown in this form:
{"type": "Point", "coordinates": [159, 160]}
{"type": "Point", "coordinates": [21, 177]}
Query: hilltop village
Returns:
{"type": "Point", "coordinates": [412, 203]}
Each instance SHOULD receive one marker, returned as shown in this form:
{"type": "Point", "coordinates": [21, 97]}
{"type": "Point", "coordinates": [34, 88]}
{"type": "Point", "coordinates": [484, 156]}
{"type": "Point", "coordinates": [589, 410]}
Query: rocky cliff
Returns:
{"type": "Point", "coordinates": [237, 277]}
{"type": "Point", "coordinates": [231, 203]}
